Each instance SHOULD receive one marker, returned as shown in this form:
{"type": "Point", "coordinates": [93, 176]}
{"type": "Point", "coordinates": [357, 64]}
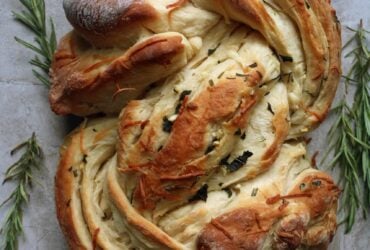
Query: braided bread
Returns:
{"type": "Point", "coordinates": [213, 99]}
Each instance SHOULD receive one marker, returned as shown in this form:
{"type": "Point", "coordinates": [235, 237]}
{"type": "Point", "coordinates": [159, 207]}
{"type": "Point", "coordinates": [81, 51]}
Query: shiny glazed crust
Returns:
{"type": "Point", "coordinates": [214, 98]}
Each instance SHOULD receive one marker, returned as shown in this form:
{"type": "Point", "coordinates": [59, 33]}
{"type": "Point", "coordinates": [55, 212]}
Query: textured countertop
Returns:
{"type": "Point", "coordinates": [25, 109]}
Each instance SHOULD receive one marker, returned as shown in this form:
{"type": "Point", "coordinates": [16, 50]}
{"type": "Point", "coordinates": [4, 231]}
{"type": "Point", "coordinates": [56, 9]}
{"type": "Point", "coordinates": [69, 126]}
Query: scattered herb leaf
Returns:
{"type": "Point", "coordinates": [272, 6]}
{"type": "Point", "coordinates": [224, 161]}
{"type": "Point", "coordinates": [269, 108]}
{"type": "Point", "coordinates": [228, 191]}
{"type": "Point", "coordinates": [237, 163]}
{"type": "Point", "coordinates": [238, 132]}
{"type": "Point", "coordinates": [75, 172]}
{"type": "Point", "coordinates": [84, 159]}
{"type": "Point", "coordinates": [202, 194]}
{"type": "Point", "coordinates": [210, 148]}
{"type": "Point", "coordinates": [183, 94]}
{"type": "Point", "coordinates": [167, 125]}
{"type": "Point", "coordinates": [243, 136]}
{"type": "Point", "coordinates": [254, 65]}
{"type": "Point", "coordinates": [307, 5]}
{"type": "Point", "coordinates": [220, 75]}
{"type": "Point", "coordinates": [212, 51]}
{"type": "Point", "coordinates": [316, 183]}
{"type": "Point", "coordinates": [286, 58]}
{"type": "Point", "coordinates": [211, 83]}
{"type": "Point", "coordinates": [254, 192]}
{"type": "Point", "coordinates": [181, 99]}
{"type": "Point", "coordinates": [243, 76]}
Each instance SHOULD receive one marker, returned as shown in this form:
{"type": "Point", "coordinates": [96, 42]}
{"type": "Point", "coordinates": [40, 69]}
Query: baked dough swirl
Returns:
{"type": "Point", "coordinates": [214, 98]}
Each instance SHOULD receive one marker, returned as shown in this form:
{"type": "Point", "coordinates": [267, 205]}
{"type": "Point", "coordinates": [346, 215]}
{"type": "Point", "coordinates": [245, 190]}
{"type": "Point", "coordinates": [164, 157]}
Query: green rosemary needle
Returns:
{"type": "Point", "coordinates": [349, 137]}
{"type": "Point", "coordinates": [45, 44]}
{"type": "Point", "coordinates": [20, 173]}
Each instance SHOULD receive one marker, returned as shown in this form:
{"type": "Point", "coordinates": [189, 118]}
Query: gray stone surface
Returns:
{"type": "Point", "coordinates": [24, 108]}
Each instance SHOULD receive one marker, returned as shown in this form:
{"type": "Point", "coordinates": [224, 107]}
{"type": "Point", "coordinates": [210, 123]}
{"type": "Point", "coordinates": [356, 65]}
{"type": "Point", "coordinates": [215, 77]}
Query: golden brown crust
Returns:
{"type": "Point", "coordinates": [332, 30]}
{"type": "Point", "coordinates": [63, 191]}
{"type": "Point", "coordinates": [321, 37]}
{"type": "Point", "coordinates": [281, 127]}
{"type": "Point", "coordinates": [74, 217]}
{"type": "Point", "coordinates": [251, 12]}
{"type": "Point", "coordinates": [313, 41]}
{"type": "Point", "coordinates": [87, 82]}
{"type": "Point", "coordinates": [243, 228]}
{"type": "Point", "coordinates": [248, 227]}
{"type": "Point", "coordinates": [320, 193]}
{"type": "Point", "coordinates": [137, 223]}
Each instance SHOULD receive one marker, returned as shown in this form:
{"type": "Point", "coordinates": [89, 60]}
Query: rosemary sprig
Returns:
{"type": "Point", "coordinates": [361, 108]}
{"type": "Point", "coordinates": [45, 44]}
{"type": "Point", "coordinates": [20, 173]}
{"type": "Point", "coordinates": [349, 137]}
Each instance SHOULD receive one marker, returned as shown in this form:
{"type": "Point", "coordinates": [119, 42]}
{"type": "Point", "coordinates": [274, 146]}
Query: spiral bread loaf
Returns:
{"type": "Point", "coordinates": [206, 105]}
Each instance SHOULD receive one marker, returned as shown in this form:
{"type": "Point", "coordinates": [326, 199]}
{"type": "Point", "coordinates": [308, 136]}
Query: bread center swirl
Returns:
{"type": "Point", "coordinates": [216, 94]}
{"type": "Point", "coordinates": [171, 177]}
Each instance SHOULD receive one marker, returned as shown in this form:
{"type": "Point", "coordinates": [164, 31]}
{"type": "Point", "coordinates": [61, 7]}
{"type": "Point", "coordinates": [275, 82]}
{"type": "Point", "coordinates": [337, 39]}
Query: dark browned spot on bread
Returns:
{"type": "Point", "coordinates": [100, 17]}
